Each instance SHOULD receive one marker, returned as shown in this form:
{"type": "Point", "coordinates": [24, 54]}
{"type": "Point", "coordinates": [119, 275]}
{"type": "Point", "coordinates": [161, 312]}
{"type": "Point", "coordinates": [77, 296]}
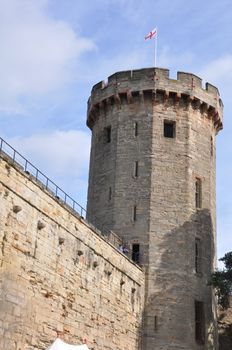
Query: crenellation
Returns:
{"type": "Point", "coordinates": [161, 73]}
{"type": "Point", "coordinates": [118, 77]}
{"type": "Point", "coordinates": [190, 80]}
{"type": "Point", "coordinates": [155, 80]}
{"type": "Point", "coordinates": [153, 76]}
{"type": "Point", "coordinates": [212, 89]}
{"type": "Point", "coordinates": [101, 85]}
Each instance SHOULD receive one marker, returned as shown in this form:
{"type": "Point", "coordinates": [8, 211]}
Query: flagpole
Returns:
{"type": "Point", "coordinates": [156, 38]}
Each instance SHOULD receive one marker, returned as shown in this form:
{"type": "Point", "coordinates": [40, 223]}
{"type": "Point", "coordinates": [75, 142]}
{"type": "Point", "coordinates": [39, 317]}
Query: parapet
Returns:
{"type": "Point", "coordinates": [128, 83]}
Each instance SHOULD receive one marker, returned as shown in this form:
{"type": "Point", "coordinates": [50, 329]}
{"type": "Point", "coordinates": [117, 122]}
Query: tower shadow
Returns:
{"type": "Point", "coordinates": [174, 283]}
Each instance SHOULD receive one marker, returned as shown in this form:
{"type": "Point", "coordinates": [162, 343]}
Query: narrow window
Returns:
{"type": "Point", "coordinates": [198, 193]}
{"type": "Point", "coordinates": [108, 134]}
{"type": "Point", "coordinates": [135, 129]}
{"type": "Point", "coordinates": [198, 262]}
{"type": "Point", "coordinates": [136, 168]}
{"type": "Point", "coordinates": [199, 322]}
{"type": "Point", "coordinates": [133, 298]}
{"type": "Point", "coordinates": [135, 253]}
{"type": "Point", "coordinates": [110, 194]}
{"type": "Point", "coordinates": [155, 323]}
{"type": "Point", "coordinates": [135, 213]}
{"type": "Point", "coordinates": [169, 129]}
{"type": "Point", "coordinates": [211, 146]}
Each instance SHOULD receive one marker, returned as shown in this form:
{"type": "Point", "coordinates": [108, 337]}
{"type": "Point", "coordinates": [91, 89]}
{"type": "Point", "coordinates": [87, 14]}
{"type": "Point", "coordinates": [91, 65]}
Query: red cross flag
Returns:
{"type": "Point", "coordinates": [152, 34]}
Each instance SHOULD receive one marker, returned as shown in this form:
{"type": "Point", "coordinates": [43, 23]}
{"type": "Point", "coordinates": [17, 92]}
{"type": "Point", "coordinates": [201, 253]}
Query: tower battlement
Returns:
{"type": "Point", "coordinates": [187, 89]}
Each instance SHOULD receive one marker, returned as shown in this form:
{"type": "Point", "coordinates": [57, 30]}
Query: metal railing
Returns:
{"type": "Point", "coordinates": [49, 185]}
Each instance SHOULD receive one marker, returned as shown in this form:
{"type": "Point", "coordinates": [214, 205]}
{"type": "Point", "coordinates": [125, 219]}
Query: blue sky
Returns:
{"type": "Point", "coordinates": [53, 51]}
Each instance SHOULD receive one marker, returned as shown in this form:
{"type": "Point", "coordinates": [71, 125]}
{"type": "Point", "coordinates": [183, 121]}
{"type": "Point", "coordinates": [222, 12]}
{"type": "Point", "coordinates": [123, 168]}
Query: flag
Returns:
{"type": "Point", "coordinates": [152, 34]}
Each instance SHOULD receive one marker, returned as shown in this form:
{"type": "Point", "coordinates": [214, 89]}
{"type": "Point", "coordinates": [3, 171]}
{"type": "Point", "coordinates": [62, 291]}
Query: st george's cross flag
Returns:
{"type": "Point", "coordinates": [151, 34]}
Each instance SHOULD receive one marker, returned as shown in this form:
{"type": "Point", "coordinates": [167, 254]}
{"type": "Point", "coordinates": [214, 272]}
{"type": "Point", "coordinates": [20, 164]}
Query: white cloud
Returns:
{"type": "Point", "coordinates": [64, 155]}
{"type": "Point", "coordinates": [38, 53]}
{"type": "Point", "coordinates": [59, 152]}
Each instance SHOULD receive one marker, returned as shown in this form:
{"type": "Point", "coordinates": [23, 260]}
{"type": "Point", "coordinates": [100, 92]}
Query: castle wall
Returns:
{"type": "Point", "coordinates": [59, 276]}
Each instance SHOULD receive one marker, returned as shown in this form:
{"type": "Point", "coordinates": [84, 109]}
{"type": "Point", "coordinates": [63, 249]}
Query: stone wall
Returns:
{"type": "Point", "coordinates": [155, 207]}
{"type": "Point", "coordinates": [59, 276]}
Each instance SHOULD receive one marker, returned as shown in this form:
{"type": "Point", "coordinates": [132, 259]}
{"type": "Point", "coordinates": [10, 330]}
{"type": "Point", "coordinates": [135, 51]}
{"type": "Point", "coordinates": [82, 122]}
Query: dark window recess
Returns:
{"type": "Point", "coordinates": [169, 129]}
{"type": "Point", "coordinates": [135, 253]}
{"type": "Point", "coordinates": [198, 193]}
{"type": "Point", "coordinates": [211, 146]}
{"type": "Point", "coordinates": [136, 169]}
{"type": "Point", "coordinates": [133, 298]}
{"type": "Point", "coordinates": [108, 134]}
{"type": "Point", "coordinates": [136, 129]}
{"type": "Point", "coordinates": [198, 255]}
{"type": "Point", "coordinates": [110, 193]}
{"type": "Point", "coordinates": [155, 323]}
{"type": "Point", "coordinates": [199, 322]}
{"type": "Point", "coordinates": [135, 213]}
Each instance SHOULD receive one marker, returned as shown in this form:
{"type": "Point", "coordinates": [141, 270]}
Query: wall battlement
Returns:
{"type": "Point", "coordinates": [187, 87]}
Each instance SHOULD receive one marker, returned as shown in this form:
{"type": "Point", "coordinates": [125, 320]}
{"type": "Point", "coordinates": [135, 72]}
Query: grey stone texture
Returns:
{"type": "Point", "coordinates": [58, 275]}
{"type": "Point", "coordinates": [167, 222]}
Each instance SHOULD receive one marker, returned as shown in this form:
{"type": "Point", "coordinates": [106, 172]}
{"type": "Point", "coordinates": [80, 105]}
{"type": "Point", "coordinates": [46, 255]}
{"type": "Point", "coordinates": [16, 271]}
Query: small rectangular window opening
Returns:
{"type": "Point", "coordinates": [169, 128]}
{"type": "Point", "coordinates": [136, 168]}
{"type": "Point", "coordinates": [197, 255]}
{"type": "Point", "coordinates": [135, 213]}
{"type": "Point", "coordinates": [110, 194]}
{"type": "Point", "coordinates": [108, 134]}
{"type": "Point", "coordinates": [155, 323]}
{"type": "Point", "coordinates": [211, 146]}
{"type": "Point", "coordinates": [199, 322]}
{"type": "Point", "coordinates": [198, 193]}
{"type": "Point", "coordinates": [135, 253]}
{"type": "Point", "coordinates": [136, 129]}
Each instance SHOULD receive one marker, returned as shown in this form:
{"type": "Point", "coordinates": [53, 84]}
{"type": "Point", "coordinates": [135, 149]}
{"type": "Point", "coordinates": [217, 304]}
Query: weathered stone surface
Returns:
{"type": "Point", "coordinates": [167, 221]}
{"type": "Point", "coordinates": [58, 276]}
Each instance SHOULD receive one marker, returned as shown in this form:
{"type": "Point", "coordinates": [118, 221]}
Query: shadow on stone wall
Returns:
{"type": "Point", "coordinates": [174, 285]}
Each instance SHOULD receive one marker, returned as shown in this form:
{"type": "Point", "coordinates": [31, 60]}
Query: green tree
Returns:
{"type": "Point", "coordinates": [221, 280]}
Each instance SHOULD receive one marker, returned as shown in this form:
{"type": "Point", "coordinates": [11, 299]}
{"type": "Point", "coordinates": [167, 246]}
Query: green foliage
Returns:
{"type": "Point", "coordinates": [221, 280]}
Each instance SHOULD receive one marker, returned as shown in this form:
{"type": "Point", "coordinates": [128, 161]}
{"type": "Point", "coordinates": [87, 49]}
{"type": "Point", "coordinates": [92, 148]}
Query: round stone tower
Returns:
{"type": "Point", "coordinates": [152, 181]}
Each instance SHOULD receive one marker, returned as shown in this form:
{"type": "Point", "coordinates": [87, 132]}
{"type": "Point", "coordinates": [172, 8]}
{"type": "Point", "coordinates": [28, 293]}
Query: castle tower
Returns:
{"type": "Point", "coordinates": [152, 181]}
